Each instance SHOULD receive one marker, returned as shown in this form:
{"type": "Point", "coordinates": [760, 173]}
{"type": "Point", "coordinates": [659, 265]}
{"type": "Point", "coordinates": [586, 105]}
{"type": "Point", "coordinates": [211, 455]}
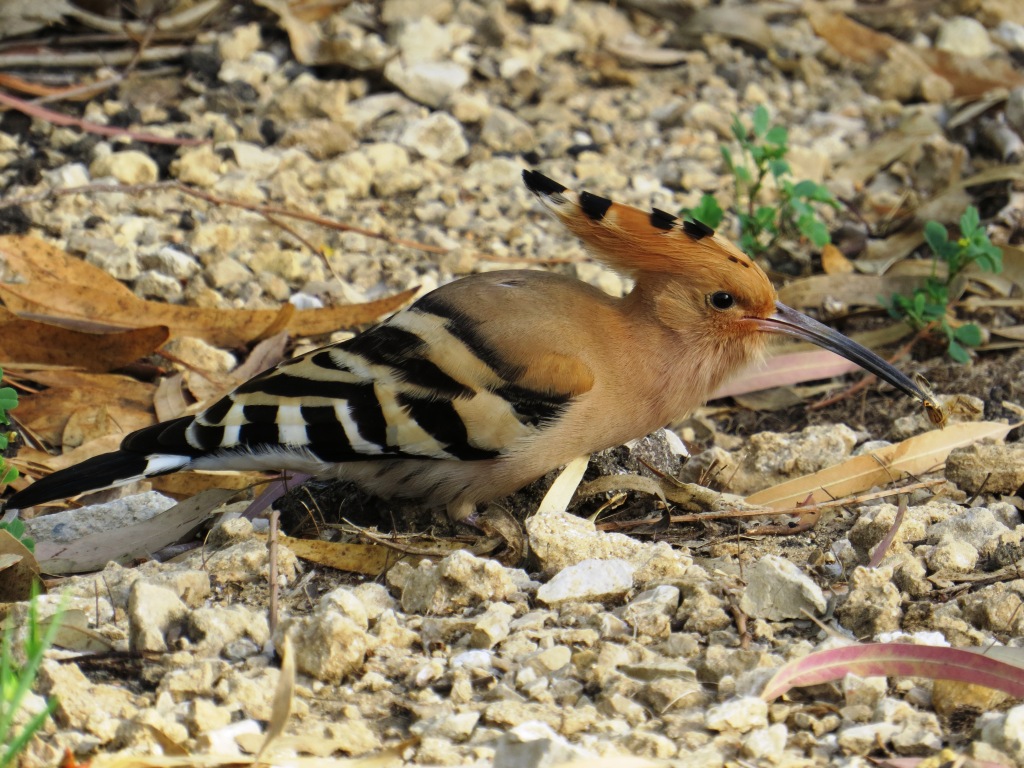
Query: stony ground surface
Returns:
{"type": "Point", "coordinates": [657, 645]}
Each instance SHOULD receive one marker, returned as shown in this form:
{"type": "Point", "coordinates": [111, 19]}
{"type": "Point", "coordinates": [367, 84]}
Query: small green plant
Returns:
{"type": "Point", "coordinates": [16, 528]}
{"type": "Point", "coordinates": [930, 304]}
{"type": "Point", "coordinates": [764, 148]}
{"type": "Point", "coordinates": [8, 400]}
{"type": "Point", "coordinates": [16, 681]}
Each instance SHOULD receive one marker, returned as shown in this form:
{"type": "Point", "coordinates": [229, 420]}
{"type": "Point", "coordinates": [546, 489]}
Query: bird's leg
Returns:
{"type": "Point", "coordinates": [463, 512]}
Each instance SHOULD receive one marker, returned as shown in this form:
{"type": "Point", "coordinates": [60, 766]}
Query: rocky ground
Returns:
{"type": "Point", "coordinates": [656, 645]}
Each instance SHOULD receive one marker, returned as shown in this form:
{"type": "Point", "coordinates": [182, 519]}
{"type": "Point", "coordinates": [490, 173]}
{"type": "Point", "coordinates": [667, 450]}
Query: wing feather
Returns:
{"type": "Point", "coordinates": [425, 384]}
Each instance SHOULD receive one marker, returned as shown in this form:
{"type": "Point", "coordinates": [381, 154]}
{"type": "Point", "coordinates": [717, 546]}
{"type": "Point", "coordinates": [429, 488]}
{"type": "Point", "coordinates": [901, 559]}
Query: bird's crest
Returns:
{"type": "Point", "coordinates": [633, 241]}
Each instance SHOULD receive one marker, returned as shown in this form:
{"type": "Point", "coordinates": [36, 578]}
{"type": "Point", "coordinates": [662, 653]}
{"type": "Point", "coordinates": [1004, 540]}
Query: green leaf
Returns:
{"type": "Point", "coordinates": [760, 120]}
{"type": "Point", "coordinates": [936, 236]}
{"type": "Point", "coordinates": [764, 216]}
{"type": "Point", "coordinates": [727, 158]}
{"type": "Point", "coordinates": [968, 334]}
{"type": "Point", "coordinates": [10, 474]}
{"type": "Point", "coordinates": [957, 352]}
{"type": "Point", "coordinates": [778, 167]}
{"type": "Point", "coordinates": [823, 195]}
{"type": "Point", "coordinates": [805, 189]}
{"type": "Point", "coordinates": [970, 222]}
{"type": "Point", "coordinates": [991, 257]}
{"type": "Point", "coordinates": [739, 130]}
{"type": "Point", "coordinates": [8, 398]}
{"type": "Point", "coordinates": [778, 135]}
{"type": "Point", "coordinates": [815, 231]}
{"type": "Point", "coordinates": [707, 212]}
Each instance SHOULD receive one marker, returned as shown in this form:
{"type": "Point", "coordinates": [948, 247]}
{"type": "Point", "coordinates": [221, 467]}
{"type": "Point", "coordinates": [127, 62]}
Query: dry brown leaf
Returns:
{"type": "Point", "coordinates": [969, 665]}
{"type": "Point", "coordinates": [169, 401]}
{"type": "Point", "coordinates": [183, 485]}
{"type": "Point", "coordinates": [861, 164]}
{"type": "Point", "coordinates": [8, 560]}
{"type": "Point", "coordinates": [19, 576]}
{"type": "Point", "coordinates": [367, 559]}
{"type": "Point", "coordinates": [22, 17]}
{"type": "Point", "coordinates": [309, 43]}
{"type": "Point", "coordinates": [969, 77]}
{"type": "Point", "coordinates": [1015, 332]}
{"type": "Point", "coordinates": [972, 77]}
{"type": "Point", "coordinates": [849, 290]}
{"type": "Point", "coordinates": [206, 387]}
{"type": "Point", "coordinates": [640, 52]}
{"type": "Point", "coordinates": [1013, 266]}
{"type": "Point", "coordinates": [125, 388]}
{"type": "Point", "coordinates": [834, 262]}
{"type": "Point", "coordinates": [87, 424]}
{"type": "Point", "coordinates": [265, 355]}
{"type": "Point", "coordinates": [47, 413]}
{"type": "Point", "coordinates": [916, 456]}
{"type": "Point", "coordinates": [880, 255]}
{"type": "Point", "coordinates": [386, 758]}
{"type": "Point", "coordinates": [85, 292]}
{"type": "Point", "coordinates": [29, 341]}
{"type": "Point", "coordinates": [93, 551]}
{"type": "Point", "coordinates": [773, 399]}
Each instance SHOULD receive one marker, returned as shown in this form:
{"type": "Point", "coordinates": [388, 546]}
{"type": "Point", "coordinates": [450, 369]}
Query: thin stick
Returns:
{"type": "Point", "coordinates": [799, 511]}
{"type": "Point", "coordinates": [272, 570]}
{"type": "Point", "coordinates": [58, 118]}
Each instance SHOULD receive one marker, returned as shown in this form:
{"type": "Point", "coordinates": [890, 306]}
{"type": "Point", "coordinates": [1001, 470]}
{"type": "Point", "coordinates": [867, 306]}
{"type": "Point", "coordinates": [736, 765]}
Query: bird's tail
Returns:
{"type": "Point", "coordinates": [108, 470]}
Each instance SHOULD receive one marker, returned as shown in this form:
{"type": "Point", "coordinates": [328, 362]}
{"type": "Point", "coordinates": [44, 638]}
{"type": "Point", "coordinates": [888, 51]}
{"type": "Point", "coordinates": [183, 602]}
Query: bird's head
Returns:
{"type": "Point", "coordinates": [702, 285]}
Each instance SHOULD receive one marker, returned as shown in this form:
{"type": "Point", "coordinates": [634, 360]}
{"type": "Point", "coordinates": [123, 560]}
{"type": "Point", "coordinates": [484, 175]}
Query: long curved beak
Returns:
{"type": "Point", "coordinates": [792, 323]}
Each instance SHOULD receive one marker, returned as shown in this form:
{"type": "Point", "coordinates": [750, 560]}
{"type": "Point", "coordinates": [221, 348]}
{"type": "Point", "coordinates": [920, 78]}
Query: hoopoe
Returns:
{"type": "Point", "coordinates": [487, 383]}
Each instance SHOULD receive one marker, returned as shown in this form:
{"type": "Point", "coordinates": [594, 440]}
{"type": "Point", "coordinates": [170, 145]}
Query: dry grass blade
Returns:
{"type": "Point", "coordinates": [284, 695]}
{"type": "Point", "coordinates": [874, 659]}
{"type": "Point", "coordinates": [915, 456]}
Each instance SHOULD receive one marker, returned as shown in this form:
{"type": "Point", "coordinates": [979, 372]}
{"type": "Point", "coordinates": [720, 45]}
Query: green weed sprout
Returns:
{"type": "Point", "coordinates": [16, 681]}
{"type": "Point", "coordinates": [763, 154]}
{"type": "Point", "coordinates": [931, 303]}
{"type": "Point", "coordinates": [8, 400]}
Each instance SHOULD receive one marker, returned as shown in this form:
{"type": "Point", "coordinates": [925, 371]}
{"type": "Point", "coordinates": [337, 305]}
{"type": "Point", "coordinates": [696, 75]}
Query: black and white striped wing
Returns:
{"type": "Point", "coordinates": [421, 385]}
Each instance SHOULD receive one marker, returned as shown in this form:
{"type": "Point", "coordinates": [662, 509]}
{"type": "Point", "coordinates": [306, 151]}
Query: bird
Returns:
{"type": "Point", "coordinates": [487, 383]}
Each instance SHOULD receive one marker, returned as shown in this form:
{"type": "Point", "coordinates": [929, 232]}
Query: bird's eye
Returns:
{"type": "Point", "coordinates": [721, 300]}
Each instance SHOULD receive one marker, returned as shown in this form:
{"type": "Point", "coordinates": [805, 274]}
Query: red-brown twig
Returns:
{"type": "Point", "coordinates": [58, 118]}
